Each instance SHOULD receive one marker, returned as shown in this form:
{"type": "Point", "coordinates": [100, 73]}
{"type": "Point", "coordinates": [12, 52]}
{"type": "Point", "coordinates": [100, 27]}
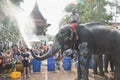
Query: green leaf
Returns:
{"type": "Point", "coordinates": [90, 11]}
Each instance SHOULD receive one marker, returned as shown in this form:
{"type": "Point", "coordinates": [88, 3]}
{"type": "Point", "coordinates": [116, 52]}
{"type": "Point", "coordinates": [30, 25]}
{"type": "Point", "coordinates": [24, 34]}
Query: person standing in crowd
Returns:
{"type": "Point", "coordinates": [68, 53]}
{"type": "Point", "coordinates": [41, 51]}
{"type": "Point", "coordinates": [15, 53]}
{"type": "Point", "coordinates": [30, 60]}
{"type": "Point", "coordinates": [15, 49]}
{"type": "Point", "coordinates": [8, 61]}
{"type": "Point", "coordinates": [58, 58]}
{"type": "Point", "coordinates": [84, 52]}
{"type": "Point", "coordinates": [1, 65]}
{"type": "Point", "coordinates": [26, 63]}
{"type": "Point", "coordinates": [45, 48]}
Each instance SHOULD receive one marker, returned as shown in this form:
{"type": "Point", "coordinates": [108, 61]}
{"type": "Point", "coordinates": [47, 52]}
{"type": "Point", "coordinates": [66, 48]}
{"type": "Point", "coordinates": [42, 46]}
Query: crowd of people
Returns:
{"type": "Point", "coordinates": [11, 56]}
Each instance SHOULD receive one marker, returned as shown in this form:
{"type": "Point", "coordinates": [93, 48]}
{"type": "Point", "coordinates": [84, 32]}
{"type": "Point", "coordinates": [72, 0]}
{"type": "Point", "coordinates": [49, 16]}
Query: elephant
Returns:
{"type": "Point", "coordinates": [101, 38]}
{"type": "Point", "coordinates": [107, 59]}
{"type": "Point", "coordinates": [98, 63]}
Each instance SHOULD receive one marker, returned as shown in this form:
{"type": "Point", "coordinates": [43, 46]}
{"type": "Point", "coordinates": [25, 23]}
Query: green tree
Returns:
{"type": "Point", "coordinates": [17, 2]}
{"type": "Point", "coordinates": [89, 10]}
{"type": "Point", "coordinates": [8, 30]}
{"type": "Point", "coordinates": [115, 8]}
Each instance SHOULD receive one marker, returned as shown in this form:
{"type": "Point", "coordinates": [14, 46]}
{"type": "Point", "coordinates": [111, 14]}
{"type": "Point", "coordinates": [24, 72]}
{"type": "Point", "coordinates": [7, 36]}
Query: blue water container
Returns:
{"type": "Point", "coordinates": [67, 63]}
{"type": "Point", "coordinates": [51, 64]}
{"type": "Point", "coordinates": [36, 65]}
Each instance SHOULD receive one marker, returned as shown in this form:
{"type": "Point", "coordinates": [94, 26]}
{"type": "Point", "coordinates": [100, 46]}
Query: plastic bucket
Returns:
{"type": "Point", "coordinates": [36, 65]}
{"type": "Point", "coordinates": [67, 63]}
{"type": "Point", "coordinates": [51, 64]}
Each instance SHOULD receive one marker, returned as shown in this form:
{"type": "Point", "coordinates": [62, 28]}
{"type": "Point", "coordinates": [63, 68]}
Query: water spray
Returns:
{"type": "Point", "coordinates": [24, 22]}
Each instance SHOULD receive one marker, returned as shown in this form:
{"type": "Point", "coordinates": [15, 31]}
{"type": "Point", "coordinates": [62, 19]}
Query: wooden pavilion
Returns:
{"type": "Point", "coordinates": [40, 21]}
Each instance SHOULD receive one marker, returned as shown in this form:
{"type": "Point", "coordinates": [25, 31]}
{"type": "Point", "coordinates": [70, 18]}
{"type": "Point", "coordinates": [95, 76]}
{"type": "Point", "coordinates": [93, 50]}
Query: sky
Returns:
{"type": "Point", "coordinates": [52, 11]}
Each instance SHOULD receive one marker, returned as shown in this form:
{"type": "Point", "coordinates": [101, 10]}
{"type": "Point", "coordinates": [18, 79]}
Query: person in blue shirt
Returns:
{"type": "Point", "coordinates": [83, 51]}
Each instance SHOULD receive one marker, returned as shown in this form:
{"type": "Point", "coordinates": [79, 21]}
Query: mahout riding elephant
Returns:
{"type": "Point", "coordinates": [101, 38]}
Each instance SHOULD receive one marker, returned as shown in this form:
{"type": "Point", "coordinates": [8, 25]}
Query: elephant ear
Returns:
{"type": "Point", "coordinates": [65, 37]}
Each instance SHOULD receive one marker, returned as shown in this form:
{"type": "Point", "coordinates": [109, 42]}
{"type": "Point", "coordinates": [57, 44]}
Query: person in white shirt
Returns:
{"type": "Point", "coordinates": [75, 17]}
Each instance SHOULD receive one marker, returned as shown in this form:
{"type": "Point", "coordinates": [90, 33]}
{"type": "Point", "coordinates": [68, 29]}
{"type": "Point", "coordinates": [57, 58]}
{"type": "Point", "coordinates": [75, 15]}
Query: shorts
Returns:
{"type": "Point", "coordinates": [8, 66]}
{"type": "Point", "coordinates": [26, 63]}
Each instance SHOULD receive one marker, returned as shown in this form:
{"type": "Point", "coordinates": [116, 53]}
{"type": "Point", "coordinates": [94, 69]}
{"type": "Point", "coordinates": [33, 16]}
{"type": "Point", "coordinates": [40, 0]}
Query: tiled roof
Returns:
{"type": "Point", "coordinates": [36, 14]}
{"type": "Point", "coordinates": [40, 22]}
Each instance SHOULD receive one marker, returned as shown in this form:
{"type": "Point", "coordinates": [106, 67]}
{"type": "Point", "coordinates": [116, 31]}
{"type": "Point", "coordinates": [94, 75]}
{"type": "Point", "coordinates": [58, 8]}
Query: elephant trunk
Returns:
{"type": "Point", "coordinates": [51, 52]}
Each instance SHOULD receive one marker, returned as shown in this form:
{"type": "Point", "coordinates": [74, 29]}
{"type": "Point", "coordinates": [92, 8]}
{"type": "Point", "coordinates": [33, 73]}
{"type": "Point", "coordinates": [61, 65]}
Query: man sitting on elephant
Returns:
{"type": "Point", "coordinates": [74, 23]}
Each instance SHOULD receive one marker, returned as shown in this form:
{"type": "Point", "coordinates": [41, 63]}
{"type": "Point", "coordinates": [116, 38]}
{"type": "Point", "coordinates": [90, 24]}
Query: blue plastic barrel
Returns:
{"type": "Point", "coordinates": [36, 65]}
{"type": "Point", "coordinates": [67, 63]}
{"type": "Point", "coordinates": [51, 64]}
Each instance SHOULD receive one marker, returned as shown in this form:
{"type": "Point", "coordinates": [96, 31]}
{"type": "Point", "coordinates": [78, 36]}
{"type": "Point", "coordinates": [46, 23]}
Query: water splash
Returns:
{"type": "Point", "coordinates": [24, 22]}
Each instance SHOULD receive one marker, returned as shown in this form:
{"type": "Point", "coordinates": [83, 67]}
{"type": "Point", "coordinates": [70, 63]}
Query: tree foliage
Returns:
{"type": "Point", "coordinates": [16, 2]}
{"type": "Point", "coordinates": [89, 11]}
{"type": "Point", "coordinates": [115, 7]}
{"type": "Point", "coordinates": [8, 30]}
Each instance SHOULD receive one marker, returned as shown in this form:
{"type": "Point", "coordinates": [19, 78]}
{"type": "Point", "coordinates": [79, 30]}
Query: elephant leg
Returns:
{"type": "Point", "coordinates": [95, 64]}
{"type": "Point", "coordinates": [95, 68]}
{"type": "Point", "coordinates": [111, 65]}
{"type": "Point", "coordinates": [117, 73]}
{"type": "Point", "coordinates": [100, 64]}
{"type": "Point", "coordinates": [106, 60]}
